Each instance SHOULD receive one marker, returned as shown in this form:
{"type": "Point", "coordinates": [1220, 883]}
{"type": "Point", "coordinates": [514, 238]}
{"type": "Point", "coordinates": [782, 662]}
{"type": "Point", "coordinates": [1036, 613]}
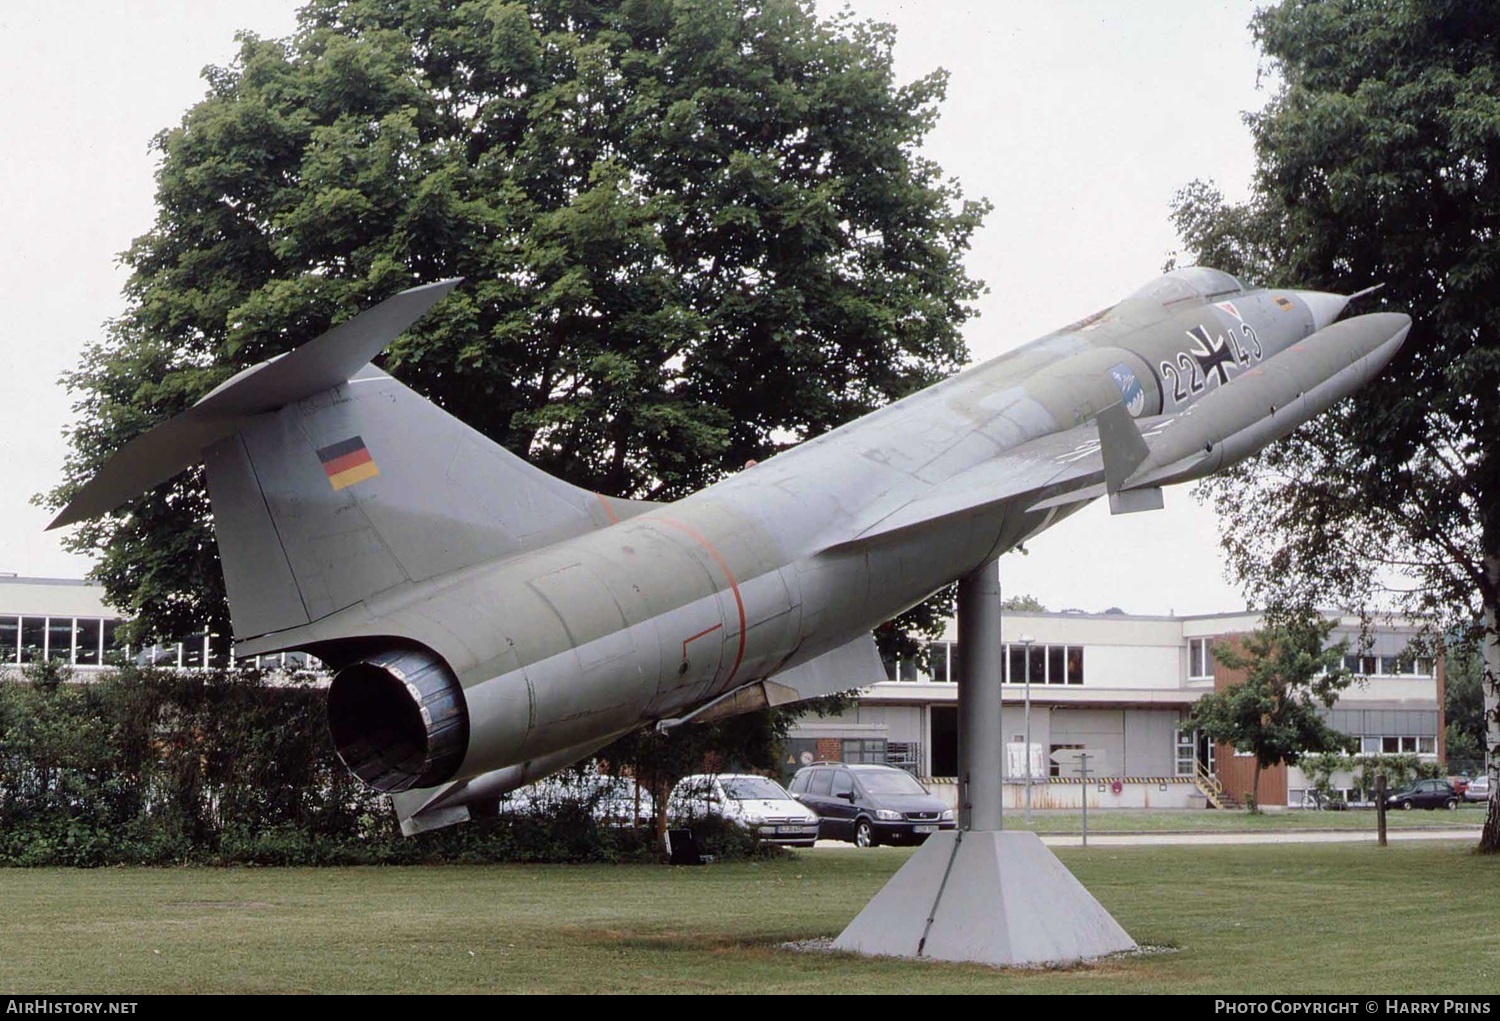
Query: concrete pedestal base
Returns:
{"type": "Point", "coordinates": [996, 898]}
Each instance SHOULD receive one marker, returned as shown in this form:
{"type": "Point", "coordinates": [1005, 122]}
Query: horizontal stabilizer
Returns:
{"type": "Point", "coordinates": [330, 360]}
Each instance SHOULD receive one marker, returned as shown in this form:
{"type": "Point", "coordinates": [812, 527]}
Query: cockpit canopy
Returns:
{"type": "Point", "coordinates": [1189, 282]}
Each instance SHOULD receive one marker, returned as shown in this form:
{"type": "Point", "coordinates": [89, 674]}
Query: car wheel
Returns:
{"type": "Point", "coordinates": [1451, 804]}
{"type": "Point", "coordinates": [1406, 805]}
{"type": "Point", "coordinates": [864, 834]}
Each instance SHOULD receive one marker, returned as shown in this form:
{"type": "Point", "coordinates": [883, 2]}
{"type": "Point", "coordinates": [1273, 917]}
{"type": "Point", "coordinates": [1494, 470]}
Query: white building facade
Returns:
{"type": "Point", "coordinates": [66, 620]}
{"type": "Point", "coordinates": [1117, 687]}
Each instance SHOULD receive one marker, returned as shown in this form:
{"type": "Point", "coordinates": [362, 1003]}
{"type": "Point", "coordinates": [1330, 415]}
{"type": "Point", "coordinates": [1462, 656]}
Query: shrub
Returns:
{"type": "Point", "coordinates": [154, 767]}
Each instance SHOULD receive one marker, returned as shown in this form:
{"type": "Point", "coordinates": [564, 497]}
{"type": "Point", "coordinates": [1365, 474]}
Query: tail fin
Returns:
{"type": "Point", "coordinates": [331, 482]}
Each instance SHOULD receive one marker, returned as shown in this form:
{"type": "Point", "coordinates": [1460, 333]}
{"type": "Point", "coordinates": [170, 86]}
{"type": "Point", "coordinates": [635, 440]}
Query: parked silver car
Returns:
{"type": "Point", "coordinates": [1478, 789]}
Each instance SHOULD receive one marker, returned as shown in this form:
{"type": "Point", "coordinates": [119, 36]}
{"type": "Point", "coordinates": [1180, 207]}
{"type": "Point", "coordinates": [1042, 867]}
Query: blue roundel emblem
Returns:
{"type": "Point", "coordinates": [1130, 389]}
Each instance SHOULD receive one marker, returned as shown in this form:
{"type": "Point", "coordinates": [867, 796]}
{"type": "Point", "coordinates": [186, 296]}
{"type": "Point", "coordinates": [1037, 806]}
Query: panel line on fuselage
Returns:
{"type": "Point", "coordinates": [734, 586]}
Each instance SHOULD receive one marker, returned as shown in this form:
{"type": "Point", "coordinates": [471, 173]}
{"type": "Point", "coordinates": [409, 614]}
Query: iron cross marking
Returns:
{"type": "Point", "coordinates": [1213, 356]}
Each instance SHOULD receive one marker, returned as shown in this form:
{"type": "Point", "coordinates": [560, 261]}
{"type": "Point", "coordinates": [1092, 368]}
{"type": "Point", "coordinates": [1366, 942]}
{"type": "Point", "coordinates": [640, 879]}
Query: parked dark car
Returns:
{"type": "Point", "coordinates": [868, 805]}
{"type": "Point", "coordinates": [1428, 794]}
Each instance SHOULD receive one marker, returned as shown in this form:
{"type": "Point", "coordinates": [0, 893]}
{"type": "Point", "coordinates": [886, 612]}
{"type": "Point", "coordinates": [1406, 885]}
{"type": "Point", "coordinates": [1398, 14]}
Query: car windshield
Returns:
{"type": "Point", "coordinates": [753, 788]}
{"type": "Point", "coordinates": [890, 782]}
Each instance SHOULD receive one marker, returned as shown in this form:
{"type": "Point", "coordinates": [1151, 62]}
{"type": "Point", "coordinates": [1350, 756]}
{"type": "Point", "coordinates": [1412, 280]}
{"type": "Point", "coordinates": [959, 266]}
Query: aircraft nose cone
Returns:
{"type": "Point", "coordinates": [1325, 307]}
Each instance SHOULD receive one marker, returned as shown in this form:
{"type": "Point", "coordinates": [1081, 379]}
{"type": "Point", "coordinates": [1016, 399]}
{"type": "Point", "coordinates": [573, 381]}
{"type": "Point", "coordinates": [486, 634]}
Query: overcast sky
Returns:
{"type": "Point", "coordinates": [1077, 119]}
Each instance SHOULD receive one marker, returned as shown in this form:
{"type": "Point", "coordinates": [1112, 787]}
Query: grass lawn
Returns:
{"type": "Point", "coordinates": [1277, 919]}
{"type": "Point", "coordinates": [1159, 820]}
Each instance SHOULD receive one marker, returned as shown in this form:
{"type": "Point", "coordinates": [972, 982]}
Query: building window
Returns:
{"type": "Point", "coordinates": [1036, 665]}
{"type": "Point", "coordinates": [863, 750]}
{"type": "Point", "coordinates": [1200, 659]}
{"type": "Point", "coordinates": [60, 639]}
{"type": "Point", "coordinates": [1044, 664]}
{"type": "Point", "coordinates": [89, 635]}
{"type": "Point", "coordinates": [1398, 744]}
{"type": "Point", "coordinates": [942, 659]}
{"type": "Point", "coordinates": [1075, 664]}
{"type": "Point", "coordinates": [10, 640]}
{"type": "Point", "coordinates": [33, 639]}
{"type": "Point", "coordinates": [1403, 665]}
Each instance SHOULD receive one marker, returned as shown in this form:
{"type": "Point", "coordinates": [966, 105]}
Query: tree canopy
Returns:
{"type": "Point", "coordinates": [1290, 673]}
{"type": "Point", "coordinates": [693, 232]}
{"type": "Point", "coordinates": [1377, 160]}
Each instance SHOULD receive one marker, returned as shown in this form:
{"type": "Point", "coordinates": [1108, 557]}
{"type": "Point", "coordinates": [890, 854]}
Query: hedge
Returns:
{"type": "Point", "coordinates": [153, 767]}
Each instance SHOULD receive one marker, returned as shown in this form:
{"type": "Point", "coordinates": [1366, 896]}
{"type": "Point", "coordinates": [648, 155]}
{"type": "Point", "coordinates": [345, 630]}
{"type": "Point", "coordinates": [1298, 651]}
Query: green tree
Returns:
{"type": "Point", "coordinates": [1290, 672]}
{"type": "Point", "coordinates": [693, 232]}
{"type": "Point", "coordinates": [1377, 163]}
{"type": "Point", "coordinates": [1024, 603]}
{"type": "Point", "coordinates": [1463, 707]}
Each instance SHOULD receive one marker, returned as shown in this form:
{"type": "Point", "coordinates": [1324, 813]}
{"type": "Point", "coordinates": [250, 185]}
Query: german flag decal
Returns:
{"type": "Point", "coordinates": [1284, 303]}
{"type": "Point", "coordinates": [348, 462]}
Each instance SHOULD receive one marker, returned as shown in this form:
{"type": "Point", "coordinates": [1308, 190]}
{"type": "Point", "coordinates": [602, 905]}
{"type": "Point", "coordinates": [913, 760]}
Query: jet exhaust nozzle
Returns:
{"type": "Point", "coordinates": [399, 719]}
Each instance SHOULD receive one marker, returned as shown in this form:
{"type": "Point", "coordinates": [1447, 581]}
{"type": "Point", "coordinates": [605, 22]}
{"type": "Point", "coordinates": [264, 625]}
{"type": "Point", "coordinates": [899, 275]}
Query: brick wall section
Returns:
{"type": "Point", "coordinates": [830, 749]}
{"type": "Point", "coordinates": [1237, 772]}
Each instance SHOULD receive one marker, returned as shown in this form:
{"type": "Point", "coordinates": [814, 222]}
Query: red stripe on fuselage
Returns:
{"type": "Point", "coordinates": [734, 586]}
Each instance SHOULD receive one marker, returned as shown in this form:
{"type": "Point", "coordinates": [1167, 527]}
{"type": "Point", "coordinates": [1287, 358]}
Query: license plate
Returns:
{"type": "Point", "coordinates": [924, 829]}
{"type": "Point", "coordinates": [789, 829]}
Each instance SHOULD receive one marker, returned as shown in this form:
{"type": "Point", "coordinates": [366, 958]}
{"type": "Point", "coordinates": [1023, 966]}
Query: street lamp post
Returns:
{"type": "Point", "coordinates": [1026, 641]}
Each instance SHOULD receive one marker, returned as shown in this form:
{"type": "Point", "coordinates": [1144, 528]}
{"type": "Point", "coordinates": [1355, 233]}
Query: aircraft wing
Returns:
{"type": "Point", "coordinates": [1053, 466]}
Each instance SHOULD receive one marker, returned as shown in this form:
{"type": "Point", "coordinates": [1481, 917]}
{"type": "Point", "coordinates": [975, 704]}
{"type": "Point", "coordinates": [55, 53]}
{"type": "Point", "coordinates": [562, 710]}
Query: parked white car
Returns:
{"type": "Point", "coordinates": [760, 805]}
{"type": "Point", "coordinates": [1478, 789]}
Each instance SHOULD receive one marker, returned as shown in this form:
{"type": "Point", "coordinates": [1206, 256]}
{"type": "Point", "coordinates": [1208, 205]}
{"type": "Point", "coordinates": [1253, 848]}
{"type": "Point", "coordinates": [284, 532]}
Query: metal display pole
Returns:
{"type": "Point", "coordinates": [1026, 641]}
{"type": "Point", "coordinates": [983, 893]}
{"type": "Point", "coordinates": [981, 744]}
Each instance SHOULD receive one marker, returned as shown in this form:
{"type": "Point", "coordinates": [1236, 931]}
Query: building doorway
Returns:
{"type": "Point", "coordinates": [944, 724]}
